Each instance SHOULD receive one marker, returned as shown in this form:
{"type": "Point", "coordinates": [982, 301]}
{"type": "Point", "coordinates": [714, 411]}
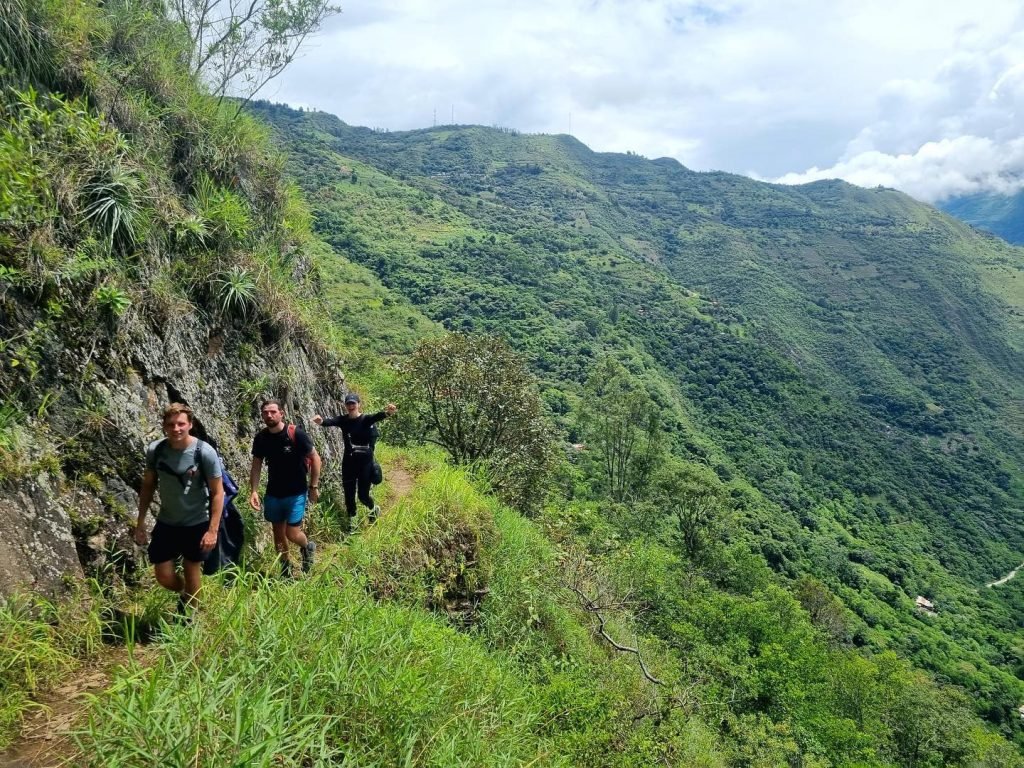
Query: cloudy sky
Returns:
{"type": "Point", "coordinates": [921, 95]}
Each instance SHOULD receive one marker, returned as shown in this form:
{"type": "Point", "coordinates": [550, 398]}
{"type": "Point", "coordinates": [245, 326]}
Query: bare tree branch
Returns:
{"type": "Point", "coordinates": [591, 607]}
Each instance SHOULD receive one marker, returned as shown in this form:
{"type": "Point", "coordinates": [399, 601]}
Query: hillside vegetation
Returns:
{"type": "Point", "coordinates": [847, 361]}
{"type": "Point", "coordinates": [739, 515]}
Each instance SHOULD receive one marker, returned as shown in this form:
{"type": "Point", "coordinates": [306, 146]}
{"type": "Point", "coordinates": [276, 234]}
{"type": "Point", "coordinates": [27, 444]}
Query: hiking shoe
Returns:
{"type": "Point", "coordinates": [286, 569]}
{"type": "Point", "coordinates": [307, 556]}
{"type": "Point", "coordinates": [374, 514]}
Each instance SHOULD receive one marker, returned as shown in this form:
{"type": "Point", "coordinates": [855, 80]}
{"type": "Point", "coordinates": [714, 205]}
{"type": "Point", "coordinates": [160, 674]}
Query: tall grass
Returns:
{"type": "Point", "coordinates": [314, 673]}
{"type": "Point", "coordinates": [41, 642]}
{"type": "Point", "coordinates": [433, 549]}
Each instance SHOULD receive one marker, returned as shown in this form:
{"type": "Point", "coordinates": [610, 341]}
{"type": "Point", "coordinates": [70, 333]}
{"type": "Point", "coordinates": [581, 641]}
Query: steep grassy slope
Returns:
{"type": "Point", "coordinates": [852, 356]}
{"type": "Point", "coordinates": [865, 297]}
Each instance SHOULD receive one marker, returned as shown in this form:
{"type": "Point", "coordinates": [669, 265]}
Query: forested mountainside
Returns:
{"type": "Point", "coordinates": [742, 492]}
{"type": "Point", "coordinates": [1002, 215]}
{"type": "Point", "coordinates": [852, 356]}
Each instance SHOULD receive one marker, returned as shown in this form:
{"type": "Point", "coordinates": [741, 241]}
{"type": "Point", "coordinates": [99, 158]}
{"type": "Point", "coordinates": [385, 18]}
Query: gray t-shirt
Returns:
{"type": "Point", "coordinates": [184, 493]}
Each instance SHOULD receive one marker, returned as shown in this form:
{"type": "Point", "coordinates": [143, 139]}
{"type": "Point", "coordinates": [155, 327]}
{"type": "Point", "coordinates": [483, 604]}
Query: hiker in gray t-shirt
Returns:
{"type": "Point", "coordinates": [187, 472]}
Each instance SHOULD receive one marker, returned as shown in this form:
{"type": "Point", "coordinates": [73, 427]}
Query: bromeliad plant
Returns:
{"type": "Point", "coordinates": [235, 291]}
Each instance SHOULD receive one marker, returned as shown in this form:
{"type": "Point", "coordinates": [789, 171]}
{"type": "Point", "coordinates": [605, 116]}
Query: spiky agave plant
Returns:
{"type": "Point", "coordinates": [113, 204]}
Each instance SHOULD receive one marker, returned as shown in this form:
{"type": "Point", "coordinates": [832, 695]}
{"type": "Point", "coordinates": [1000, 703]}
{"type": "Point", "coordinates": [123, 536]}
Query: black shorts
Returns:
{"type": "Point", "coordinates": [169, 542]}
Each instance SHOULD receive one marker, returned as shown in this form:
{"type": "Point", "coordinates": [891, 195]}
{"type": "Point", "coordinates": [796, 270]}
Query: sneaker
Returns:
{"type": "Point", "coordinates": [374, 514]}
{"type": "Point", "coordinates": [286, 569]}
{"type": "Point", "coordinates": [307, 556]}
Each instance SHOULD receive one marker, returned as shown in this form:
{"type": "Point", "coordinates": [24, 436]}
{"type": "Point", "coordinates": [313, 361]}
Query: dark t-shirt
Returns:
{"type": "Point", "coordinates": [359, 433]}
{"type": "Point", "coordinates": [286, 461]}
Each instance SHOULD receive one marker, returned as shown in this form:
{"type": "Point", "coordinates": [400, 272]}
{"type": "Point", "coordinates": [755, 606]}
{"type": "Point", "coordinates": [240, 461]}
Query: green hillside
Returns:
{"type": "Point", "coordinates": [774, 418]}
{"type": "Point", "coordinates": [852, 356]}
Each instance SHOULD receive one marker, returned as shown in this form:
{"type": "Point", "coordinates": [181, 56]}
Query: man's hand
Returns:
{"type": "Point", "coordinates": [254, 500]}
{"type": "Point", "coordinates": [318, 419]}
{"type": "Point", "coordinates": [208, 542]}
{"type": "Point", "coordinates": [390, 409]}
{"type": "Point", "coordinates": [313, 495]}
{"type": "Point", "coordinates": [141, 537]}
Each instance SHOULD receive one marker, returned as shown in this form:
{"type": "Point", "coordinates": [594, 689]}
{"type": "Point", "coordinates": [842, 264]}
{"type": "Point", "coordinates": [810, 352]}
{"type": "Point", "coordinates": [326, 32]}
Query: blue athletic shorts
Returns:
{"type": "Point", "coordinates": [290, 509]}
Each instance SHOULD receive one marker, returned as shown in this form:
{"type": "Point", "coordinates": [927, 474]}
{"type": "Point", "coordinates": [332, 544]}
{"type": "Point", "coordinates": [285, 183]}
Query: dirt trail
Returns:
{"type": "Point", "coordinates": [45, 738]}
{"type": "Point", "coordinates": [400, 482]}
{"type": "Point", "coordinates": [1005, 578]}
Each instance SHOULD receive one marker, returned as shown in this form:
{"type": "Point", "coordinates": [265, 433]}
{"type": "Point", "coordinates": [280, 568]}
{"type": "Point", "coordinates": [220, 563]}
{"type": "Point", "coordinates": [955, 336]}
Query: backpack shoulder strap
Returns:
{"type": "Point", "coordinates": [158, 451]}
{"type": "Point", "coordinates": [199, 458]}
{"type": "Point", "coordinates": [291, 434]}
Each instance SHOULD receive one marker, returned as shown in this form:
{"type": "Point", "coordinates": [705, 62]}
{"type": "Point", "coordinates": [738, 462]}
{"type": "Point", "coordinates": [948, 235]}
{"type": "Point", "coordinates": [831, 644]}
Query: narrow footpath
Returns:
{"type": "Point", "coordinates": [45, 739]}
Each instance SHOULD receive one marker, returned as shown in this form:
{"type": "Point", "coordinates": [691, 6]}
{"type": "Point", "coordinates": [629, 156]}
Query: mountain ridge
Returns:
{"type": "Point", "coordinates": [850, 353]}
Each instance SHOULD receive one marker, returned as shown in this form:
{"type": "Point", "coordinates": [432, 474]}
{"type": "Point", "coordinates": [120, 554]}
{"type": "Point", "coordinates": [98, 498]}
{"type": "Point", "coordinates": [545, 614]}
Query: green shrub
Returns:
{"type": "Point", "coordinates": [235, 291]}
{"type": "Point", "coordinates": [113, 204]}
{"type": "Point", "coordinates": [223, 213]}
{"type": "Point", "coordinates": [433, 550]}
{"type": "Point", "coordinates": [112, 300]}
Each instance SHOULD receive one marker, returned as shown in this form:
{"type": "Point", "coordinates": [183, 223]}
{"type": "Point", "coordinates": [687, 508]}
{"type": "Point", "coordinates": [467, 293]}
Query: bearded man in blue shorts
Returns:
{"type": "Point", "coordinates": [289, 454]}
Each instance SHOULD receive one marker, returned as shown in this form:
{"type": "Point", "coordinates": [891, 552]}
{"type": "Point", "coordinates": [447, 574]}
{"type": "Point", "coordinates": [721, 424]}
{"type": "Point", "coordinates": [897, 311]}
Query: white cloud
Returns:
{"type": "Point", "coordinates": [956, 131]}
{"type": "Point", "coordinates": [938, 170]}
{"type": "Point", "coordinates": [850, 86]}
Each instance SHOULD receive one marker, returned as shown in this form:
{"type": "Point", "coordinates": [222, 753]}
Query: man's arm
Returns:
{"type": "Point", "coordinates": [254, 482]}
{"type": "Point", "coordinates": [216, 486]}
{"type": "Point", "coordinates": [314, 475]}
{"type": "Point", "coordinates": [145, 499]}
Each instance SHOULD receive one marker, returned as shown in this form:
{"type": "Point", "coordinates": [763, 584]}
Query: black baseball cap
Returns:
{"type": "Point", "coordinates": [351, 397]}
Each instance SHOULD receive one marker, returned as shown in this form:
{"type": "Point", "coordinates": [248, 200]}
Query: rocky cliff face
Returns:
{"type": "Point", "coordinates": [150, 251]}
{"type": "Point", "coordinates": [72, 515]}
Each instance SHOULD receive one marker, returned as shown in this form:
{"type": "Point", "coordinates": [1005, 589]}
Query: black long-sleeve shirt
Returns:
{"type": "Point", "coordinates": [358, 432]}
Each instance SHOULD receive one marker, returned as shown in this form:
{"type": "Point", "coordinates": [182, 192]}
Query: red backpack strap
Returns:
{"type": "Point", "coordinates": [291, 436]}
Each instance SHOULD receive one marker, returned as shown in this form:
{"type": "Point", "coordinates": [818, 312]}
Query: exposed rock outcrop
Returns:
{"type": "Point", "coordinates": [59, 525]}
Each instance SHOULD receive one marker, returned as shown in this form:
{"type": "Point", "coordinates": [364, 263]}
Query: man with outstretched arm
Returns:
{"type": "Point", "coordinates": [186, 471]}
{"type": "Point", "coordinates": [289, 453]}
{"type": "Point", "coordinates": [359, 432]}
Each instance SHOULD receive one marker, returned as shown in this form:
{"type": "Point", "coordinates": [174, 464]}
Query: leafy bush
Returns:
{"type": "Point", "coordinates": [474, 396]}
{"type": "Point", "coordinates": [111, 299]}
{"type": "Point", "coordinates": [223, 213]}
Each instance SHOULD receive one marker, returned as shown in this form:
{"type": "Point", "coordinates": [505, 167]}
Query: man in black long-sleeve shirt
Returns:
{"type": "Point", "coordinates": [360, 435]}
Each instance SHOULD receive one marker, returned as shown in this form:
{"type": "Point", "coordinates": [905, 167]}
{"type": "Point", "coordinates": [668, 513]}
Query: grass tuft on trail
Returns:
{"type": "Point", "coordinates": [314, 673]}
